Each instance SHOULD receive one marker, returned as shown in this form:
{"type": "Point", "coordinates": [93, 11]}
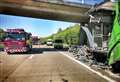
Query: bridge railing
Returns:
{"type": "Point", "coordinates": [65, 2]}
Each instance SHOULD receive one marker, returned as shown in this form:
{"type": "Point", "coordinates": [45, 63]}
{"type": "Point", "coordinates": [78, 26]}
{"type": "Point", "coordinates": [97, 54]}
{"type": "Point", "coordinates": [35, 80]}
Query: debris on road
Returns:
{"type": "Point", "coordinates": [93, 57]}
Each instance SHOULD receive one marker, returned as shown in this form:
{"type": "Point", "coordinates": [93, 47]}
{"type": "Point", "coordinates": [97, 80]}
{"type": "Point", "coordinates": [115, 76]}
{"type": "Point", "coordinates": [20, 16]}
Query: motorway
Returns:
{"type": "Point", "coordinates": [43, 64]}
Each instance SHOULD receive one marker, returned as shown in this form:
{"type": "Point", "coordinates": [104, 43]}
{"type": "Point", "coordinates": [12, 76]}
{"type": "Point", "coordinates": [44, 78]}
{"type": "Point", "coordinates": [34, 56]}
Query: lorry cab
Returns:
{"type": "Point", "coordinates": [58, 43]}
{"type": "Point", "coordinates": [17, 40]}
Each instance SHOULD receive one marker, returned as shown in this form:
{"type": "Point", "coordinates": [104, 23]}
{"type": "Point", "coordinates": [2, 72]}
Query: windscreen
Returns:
{"type": "Point", "coordinates": [16, 36]}
{"type": "Point", "coordinates": [58, 41]}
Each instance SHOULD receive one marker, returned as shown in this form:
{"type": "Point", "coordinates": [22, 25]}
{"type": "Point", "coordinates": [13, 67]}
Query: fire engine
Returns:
{"type": "Point", "coordinates": [17, 40]}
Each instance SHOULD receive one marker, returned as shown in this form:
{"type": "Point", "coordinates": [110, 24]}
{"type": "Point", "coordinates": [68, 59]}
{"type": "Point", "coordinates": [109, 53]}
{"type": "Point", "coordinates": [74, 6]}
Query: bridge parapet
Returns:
{"type": "Point", "coordinates": [45, 9]}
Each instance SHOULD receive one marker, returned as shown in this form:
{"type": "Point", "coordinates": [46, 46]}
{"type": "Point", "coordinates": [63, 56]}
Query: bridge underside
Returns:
{"type": "Point", "coordinates": [44, 10]}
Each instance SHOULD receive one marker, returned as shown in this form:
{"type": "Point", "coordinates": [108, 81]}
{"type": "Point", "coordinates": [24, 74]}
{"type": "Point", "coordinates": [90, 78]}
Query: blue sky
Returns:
{"type": "Point", "coordinates": [38, 27]}
{"type": "Point", "coordinates": [92, 2]}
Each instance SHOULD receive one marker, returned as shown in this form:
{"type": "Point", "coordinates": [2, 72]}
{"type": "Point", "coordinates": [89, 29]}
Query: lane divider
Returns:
{"type": "Point", "coordinates": [31, 57]}
{"type": "Point", "coordinates": [112, 74]}
{"type": "Point", "coordinates": [89, 68]}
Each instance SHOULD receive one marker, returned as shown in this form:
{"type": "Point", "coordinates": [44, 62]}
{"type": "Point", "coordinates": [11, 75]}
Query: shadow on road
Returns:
{"type": "Point", "coordinates": [1, 49]}
{"type": "Point", "coordinates": [39, 51]}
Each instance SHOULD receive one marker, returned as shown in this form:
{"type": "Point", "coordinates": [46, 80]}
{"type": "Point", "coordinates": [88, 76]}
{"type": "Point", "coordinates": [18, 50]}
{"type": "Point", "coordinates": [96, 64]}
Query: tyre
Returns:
{"type": "Point", "coordinates": [9, 53]}
{"type": "Point", "coordinates": [116, 67]}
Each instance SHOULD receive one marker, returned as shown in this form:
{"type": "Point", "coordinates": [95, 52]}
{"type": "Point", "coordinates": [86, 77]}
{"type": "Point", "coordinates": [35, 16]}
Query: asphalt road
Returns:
{"type": "Point", "coordinates": [43, 65]}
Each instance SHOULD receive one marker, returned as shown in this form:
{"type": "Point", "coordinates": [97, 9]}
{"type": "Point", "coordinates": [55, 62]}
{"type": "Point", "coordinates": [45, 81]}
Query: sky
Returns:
{"type": "Point", "coordinates": [38, 27]}
{"type": "Point", "coordinates": [91, 2]}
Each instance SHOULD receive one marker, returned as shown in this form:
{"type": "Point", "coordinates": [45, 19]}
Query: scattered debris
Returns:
{"type": "Point", "coordinates": [93, 57]}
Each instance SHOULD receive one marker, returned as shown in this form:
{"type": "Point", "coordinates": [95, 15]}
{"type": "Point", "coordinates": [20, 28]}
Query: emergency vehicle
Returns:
{"type": "Point", "coordinates": [17, 40]}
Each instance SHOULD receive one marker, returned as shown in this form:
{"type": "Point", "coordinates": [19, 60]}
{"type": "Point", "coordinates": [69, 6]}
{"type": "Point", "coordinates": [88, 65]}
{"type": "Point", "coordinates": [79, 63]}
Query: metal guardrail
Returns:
{"type": "Point", "coordinates": [63, 2]}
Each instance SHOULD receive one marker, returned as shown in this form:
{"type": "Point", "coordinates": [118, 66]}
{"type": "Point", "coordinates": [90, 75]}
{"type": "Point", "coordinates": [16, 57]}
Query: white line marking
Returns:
{"type": "Point", "coordinates": [96, 72]}
{"type": "Point", "coordinates": [31, 57]}
{"type": "Point", "coordinates": [112, 74]}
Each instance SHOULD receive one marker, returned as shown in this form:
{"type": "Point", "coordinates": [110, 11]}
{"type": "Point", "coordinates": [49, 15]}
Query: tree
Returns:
{"type": "Point", "coordinates": [2, 34]}
{"type": "Point", "coordinates": [59, 30]}
{"type": "Point", "coordinates": [70, 35]}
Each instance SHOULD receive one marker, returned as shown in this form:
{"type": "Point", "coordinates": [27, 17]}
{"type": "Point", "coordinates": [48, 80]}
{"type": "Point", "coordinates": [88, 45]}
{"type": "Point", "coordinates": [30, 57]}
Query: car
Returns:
{"type": "Point", "coordinates": [49, 43]}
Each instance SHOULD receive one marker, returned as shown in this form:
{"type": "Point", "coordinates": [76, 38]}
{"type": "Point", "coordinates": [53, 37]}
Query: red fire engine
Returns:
{"type": "Point", "coordinates": [17, 40]}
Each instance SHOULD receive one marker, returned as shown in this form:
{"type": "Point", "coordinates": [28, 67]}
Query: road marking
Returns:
{"type": "Point", "coordinates": [96, 72]}
{"type": "Point", "coordinates": [31, 57]}
{"type": "Point", "coordinates": [0, 61]}
{"type": "Point", "coordinates": [112, 74]}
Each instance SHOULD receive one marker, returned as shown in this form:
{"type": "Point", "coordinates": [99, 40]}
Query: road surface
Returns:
{"type": "Point", "coordinates": [43, 65]}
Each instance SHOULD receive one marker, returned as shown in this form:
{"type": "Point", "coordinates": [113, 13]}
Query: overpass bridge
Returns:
{"type": "Point", "coordinates": [45, 9]}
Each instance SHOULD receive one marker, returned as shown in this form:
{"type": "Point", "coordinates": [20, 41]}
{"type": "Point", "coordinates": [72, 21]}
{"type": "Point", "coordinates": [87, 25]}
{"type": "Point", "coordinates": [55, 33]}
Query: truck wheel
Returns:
{"type": "Point", "coordinates": [9, 53]}
{"type": "Point", "coordinates": [116, 67]}
{"type": "Point", "coordinates": [54, 47]}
